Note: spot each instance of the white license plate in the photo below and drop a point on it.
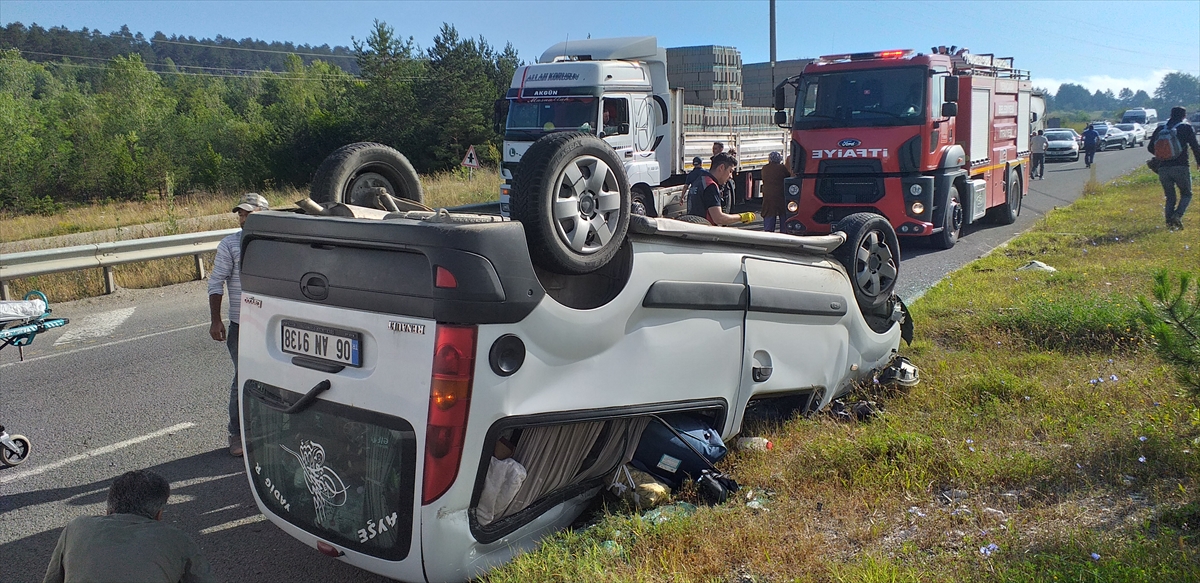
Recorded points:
(321, 342)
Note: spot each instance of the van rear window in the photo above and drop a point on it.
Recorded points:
(341, 473)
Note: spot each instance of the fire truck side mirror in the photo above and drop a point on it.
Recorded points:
(949, 109)
(781, 118)
(951, 89)
(780, 99)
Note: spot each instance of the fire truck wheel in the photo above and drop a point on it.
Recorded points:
(351, 172)
(951, 222)
(1007, 213)
(643, 201)
(573, 199)
(871, 256)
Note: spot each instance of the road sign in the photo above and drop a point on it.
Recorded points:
(471, 160)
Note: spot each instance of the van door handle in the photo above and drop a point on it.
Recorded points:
(308, 399)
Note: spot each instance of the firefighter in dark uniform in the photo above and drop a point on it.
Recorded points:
(704, 195)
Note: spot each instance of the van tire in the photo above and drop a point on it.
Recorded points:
(572, 228)
(349, 174)
(693, 219)
(871, 256)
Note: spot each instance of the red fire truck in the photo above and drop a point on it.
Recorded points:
(930, 141)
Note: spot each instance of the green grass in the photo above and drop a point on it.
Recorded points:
(1044, 425)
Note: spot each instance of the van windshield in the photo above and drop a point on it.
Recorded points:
(530, 120)
(872, 97)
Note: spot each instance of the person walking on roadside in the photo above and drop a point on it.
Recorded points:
(226, 274)
(1037, 149)
(1169, 143)
(130, 542)
(773, 175)
(1091, 141)
(704, 196)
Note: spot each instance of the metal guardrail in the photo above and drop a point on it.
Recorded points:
(106, 255)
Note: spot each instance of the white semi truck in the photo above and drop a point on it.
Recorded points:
(578, 85)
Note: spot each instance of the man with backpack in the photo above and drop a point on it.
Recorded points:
(1169, 143)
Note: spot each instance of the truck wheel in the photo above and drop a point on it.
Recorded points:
(952, 221)
(350, 172)
(871, 256)
(643, 202)
(573, 199)
(1007, 213)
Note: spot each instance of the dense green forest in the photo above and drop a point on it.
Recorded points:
(219, 55)
(82, 131)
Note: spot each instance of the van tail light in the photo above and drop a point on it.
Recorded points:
(449, 401)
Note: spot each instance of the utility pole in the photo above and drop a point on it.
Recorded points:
(772, 47)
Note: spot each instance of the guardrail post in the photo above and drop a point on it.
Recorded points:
(4, 290)
(199, 266)
(110, 284)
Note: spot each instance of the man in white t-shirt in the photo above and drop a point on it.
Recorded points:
(227, 274)
(1037, 149)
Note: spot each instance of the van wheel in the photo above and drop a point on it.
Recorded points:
(871, 256)
(573, 199)
(351, 172)
(1007, 213)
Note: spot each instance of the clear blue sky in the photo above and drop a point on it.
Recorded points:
(1100, 45)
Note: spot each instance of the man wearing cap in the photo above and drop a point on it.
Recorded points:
(226, 273)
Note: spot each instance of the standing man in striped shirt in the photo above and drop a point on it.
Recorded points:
(227, 274)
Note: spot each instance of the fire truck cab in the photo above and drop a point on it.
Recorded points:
(930, 141)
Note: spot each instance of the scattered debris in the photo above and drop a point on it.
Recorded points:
(1036, 265)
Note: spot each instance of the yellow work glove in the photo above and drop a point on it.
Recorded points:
(746, 217)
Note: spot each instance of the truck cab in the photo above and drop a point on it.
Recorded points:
(612, 88)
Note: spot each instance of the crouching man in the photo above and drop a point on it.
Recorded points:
(130, 543)
(704, 195)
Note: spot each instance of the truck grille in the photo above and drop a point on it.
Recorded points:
(850, 181)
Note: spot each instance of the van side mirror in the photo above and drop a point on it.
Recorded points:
(949, 109)
(781, 118)
(780, 99)
(1033, 116)
(951, 88)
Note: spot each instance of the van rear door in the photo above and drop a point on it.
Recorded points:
(339, 328)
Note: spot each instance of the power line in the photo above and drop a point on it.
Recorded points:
(230, 69)
(282, 76)
(132, 39)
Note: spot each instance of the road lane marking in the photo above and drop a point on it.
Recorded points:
(94, 453)
(95, 325)
(106, 344)
(234, 524)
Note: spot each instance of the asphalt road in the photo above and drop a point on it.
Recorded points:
(135, 382)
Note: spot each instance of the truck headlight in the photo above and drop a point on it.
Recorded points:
(917, 207)
(792, 206)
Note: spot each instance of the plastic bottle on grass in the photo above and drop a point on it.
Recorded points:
(753, 444)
